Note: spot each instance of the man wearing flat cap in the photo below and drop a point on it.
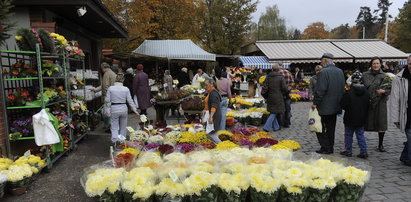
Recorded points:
(328, 93)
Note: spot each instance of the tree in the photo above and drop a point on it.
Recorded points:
(354, 32)
(341, 32)
(271, 26)
(315, 30)
(403, 23)
(367, 20)
(154, 19)
(392, 33)
(383, 6)
(294, 34)
(5, 26)
(225, 23)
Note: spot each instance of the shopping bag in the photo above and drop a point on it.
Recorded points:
(206, 116)
(135, 101)
(106, 111)
(314, 121)
(209, 128)
(44, 131)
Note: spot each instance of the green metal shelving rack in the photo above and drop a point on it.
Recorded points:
(39, 56)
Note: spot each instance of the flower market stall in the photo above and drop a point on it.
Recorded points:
(36, 79)
(179, 163)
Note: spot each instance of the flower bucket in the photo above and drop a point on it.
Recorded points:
(2, 186)
(18, 191)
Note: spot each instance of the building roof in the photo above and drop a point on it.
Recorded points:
(344, 50)
(174, 49)
(98, 19)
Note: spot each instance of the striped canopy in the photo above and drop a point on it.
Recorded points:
(259, 62)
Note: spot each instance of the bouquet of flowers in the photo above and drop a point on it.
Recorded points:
(59, 40)
(73, 49)
(233, 187)
(385, 85)
(351, 183)
(21, 127)
(104, 184)
(20, 69)
(263, 187)
(138, 184)
(78, 105)
(19, 97)
(50, 69)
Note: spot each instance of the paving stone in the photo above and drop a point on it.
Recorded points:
(377, 197)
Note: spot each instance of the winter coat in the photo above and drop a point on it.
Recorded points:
(399, 100)
(128, 82)
(142, 90)
(355, 104)
(183, 79)
(276, 91)
(329, 90)
(214, 100)
(377, 117)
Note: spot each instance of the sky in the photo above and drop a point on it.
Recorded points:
(300, 13)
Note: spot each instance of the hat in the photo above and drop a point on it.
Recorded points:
(130, 70)
(327, 55)
(105, 65)
(356, 77)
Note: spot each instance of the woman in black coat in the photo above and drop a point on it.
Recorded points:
(276, 89)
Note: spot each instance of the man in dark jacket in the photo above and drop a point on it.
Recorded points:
(355, 104)
(328, 93)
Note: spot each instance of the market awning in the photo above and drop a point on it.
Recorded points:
(259, 62)
(301, 51)
(364, 50)
(344, 50)
(174, 49)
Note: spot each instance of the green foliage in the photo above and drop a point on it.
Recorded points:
(341, 32)
(5, 27)
(403, 23)
(28, 40)
(48, 45)
(271, 25)
(225, 24)
(294, 34)
(367, 20)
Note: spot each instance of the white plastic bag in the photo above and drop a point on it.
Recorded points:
(44, 131)
(106, 111)
(209, 128)
(314, 121)
(135, 101)
(206, 116)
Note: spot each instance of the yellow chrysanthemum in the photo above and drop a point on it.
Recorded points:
(18, 38)
(261, 79)
(225, 145)
(291, 144)
(224, 132)
(132, 151)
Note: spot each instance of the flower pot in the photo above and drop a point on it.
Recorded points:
(18, 190)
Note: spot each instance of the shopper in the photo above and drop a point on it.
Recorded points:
(355, 104)
(224, 88)
(128, 80)
(275, 88)
(313, 81)
(285, 119)
(198, 77)
(400, 113)
(167, 81)
(119, 95)
(213, 106)
(141, 89)
(327, 97)
(183, 78)
(109, 79)
(377, 114)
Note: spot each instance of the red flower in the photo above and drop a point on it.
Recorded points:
(25, 93)
(11, 97)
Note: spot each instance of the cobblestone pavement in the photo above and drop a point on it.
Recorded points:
(390, 180)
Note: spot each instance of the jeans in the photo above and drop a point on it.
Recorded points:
(406, 152)
(348, 138)
(326, 138)
(118, 125)
(224, 106)
(271, 123)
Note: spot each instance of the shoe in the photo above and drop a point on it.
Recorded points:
(381, 149)
(407, 163)
(266, 130)
(363, 155)
(286, 126)
(324, 152)
(346, 153)
(107, 131)
(320, 150)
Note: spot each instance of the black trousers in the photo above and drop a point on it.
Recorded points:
(326, 138)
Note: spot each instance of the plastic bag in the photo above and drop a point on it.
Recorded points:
(44, 131)
(314, 121)
(106, 111)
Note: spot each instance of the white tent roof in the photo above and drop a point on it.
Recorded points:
(174, 49)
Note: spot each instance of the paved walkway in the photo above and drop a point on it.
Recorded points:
(390, 180)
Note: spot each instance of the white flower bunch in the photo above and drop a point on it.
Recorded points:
(139, 135)
(155, 139)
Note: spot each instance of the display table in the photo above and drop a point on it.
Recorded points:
(162, 106)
